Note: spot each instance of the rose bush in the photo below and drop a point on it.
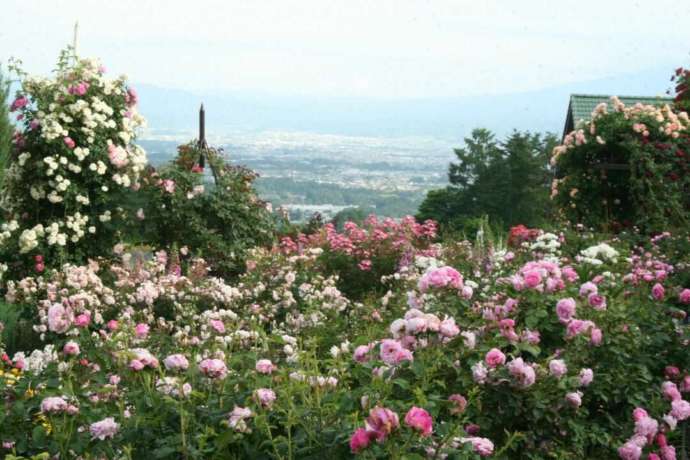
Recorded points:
(73, 165)
(539, 352)
(625, 167)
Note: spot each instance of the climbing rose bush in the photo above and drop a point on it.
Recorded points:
(568, 350)
(626, 166)
(73, 164)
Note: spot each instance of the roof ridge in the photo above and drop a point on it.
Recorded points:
(608, 96)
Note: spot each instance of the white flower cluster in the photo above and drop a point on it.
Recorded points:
(73, 114)
(597, 255)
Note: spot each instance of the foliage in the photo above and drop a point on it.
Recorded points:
(625, 167)
(356, 215)
(506, 181)
(73, 163)
(6, 129)
(217, 217)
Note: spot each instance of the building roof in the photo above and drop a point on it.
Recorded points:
(581, 106)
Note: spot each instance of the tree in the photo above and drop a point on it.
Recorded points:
(6, 128)
(506, 181)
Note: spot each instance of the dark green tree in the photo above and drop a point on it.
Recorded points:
(508, 182)
(6, 128)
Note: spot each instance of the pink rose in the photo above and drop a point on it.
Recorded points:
(596, 301)
(69, 142)
(83, 319)
(565, 309)
(482, 446)
(680, 409)
(532, 278)
(420, 420)
(141, 330)
(381, 422)
(218, 326)
(658, 292)
(71, 349)
(684, 296)
(213, 368)
(360, 440)
(495, 358)
(630, 451)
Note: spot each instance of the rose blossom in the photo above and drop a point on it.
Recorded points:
(176, 362)
(53, 404)
(586, 377)
(658, 292)
(557, 368)
(495, 358)
(106, 428)
(459, 403)
(381, 422)
(141, 330)
(565, 309)
(265, 366)
(213, 368)
(265, 397)
(71, 348)
(574, 399)
(360, 440)
(420, 420)
(483, 446)
(684, 296)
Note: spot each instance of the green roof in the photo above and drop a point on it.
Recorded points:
(582, 105)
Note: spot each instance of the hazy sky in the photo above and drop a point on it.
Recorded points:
(374, 48)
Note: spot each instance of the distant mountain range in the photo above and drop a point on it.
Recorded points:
(174, 110)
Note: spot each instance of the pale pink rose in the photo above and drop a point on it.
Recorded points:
(523, 373)
(53, 404)
(680, 409)
(393, 353)
(557, 368)
(136, 365)
(265, 366)
(106, 428)
(265, 397)
(630, 451)
(176, 362)
(574, 399)
(218, 326)
(420, 420)
(360, 353)
(596, 301)
(69, 142)
(596, 336)
(670, 391)
(213, 368)
(59, 318)
(169, 185)
(482, 446)
(647, 427)
(588, 288)
(448, 328)
(565, 309)
(112, 325)
(495, 358)
(586, 377)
